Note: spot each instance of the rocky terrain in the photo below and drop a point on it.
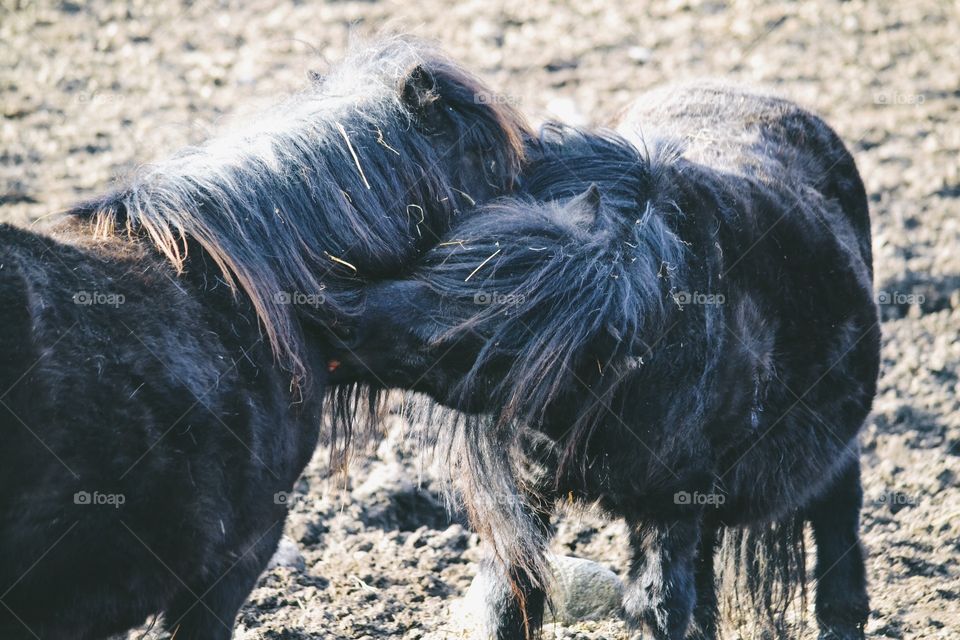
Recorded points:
(92, 89)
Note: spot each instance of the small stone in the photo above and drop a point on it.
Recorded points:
(640, 55)
(309, 533)
(287, 555)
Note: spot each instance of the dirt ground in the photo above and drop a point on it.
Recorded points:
(92, 89)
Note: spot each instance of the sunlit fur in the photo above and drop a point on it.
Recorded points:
(344, 182)
(691, 314)
(148, 349)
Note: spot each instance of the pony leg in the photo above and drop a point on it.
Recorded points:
(842, 604)
(660, 592)
(208, 612)
(514, 605)
(513, 600)
(705, 612)
(19, 631)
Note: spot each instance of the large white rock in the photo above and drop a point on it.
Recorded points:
(580, 590)
(583, 590)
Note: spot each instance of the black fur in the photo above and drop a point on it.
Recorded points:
(147, 418)
(694, 333)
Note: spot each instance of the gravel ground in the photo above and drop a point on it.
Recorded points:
(90, 90)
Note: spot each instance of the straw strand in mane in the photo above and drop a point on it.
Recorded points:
(347, 181)
(574, 288)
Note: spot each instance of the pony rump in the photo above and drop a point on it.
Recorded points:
(347, 181)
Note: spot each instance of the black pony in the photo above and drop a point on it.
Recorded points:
(690, 342)
(159, 388)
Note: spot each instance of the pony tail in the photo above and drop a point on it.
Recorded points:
(491, 477)
(763, 570)
(500, 506)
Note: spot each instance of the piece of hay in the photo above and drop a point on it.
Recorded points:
(356, 160)
(480, 266)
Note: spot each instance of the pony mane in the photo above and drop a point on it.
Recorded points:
(572, 275)
(346, 181)
(574, 282)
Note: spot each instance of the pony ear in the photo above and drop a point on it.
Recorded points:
(481, 134)
(419, 92)
(587, 204)
(583, 209)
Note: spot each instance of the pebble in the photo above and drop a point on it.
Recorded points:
(640, 55)
(584, 590)
(287, 555)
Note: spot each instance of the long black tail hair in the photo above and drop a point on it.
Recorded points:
(763, 573)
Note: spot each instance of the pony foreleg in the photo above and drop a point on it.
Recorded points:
(842, 604)
(514, 599)
(660, 592)
(705, 612)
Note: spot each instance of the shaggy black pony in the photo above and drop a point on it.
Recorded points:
(691, 342)
(159, 389)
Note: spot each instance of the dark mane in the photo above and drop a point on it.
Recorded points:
(537, 297)
(347, 181)
(579, 270)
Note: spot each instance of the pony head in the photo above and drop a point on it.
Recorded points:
(530, 298)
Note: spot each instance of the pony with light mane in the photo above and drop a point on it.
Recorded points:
(162, 381)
